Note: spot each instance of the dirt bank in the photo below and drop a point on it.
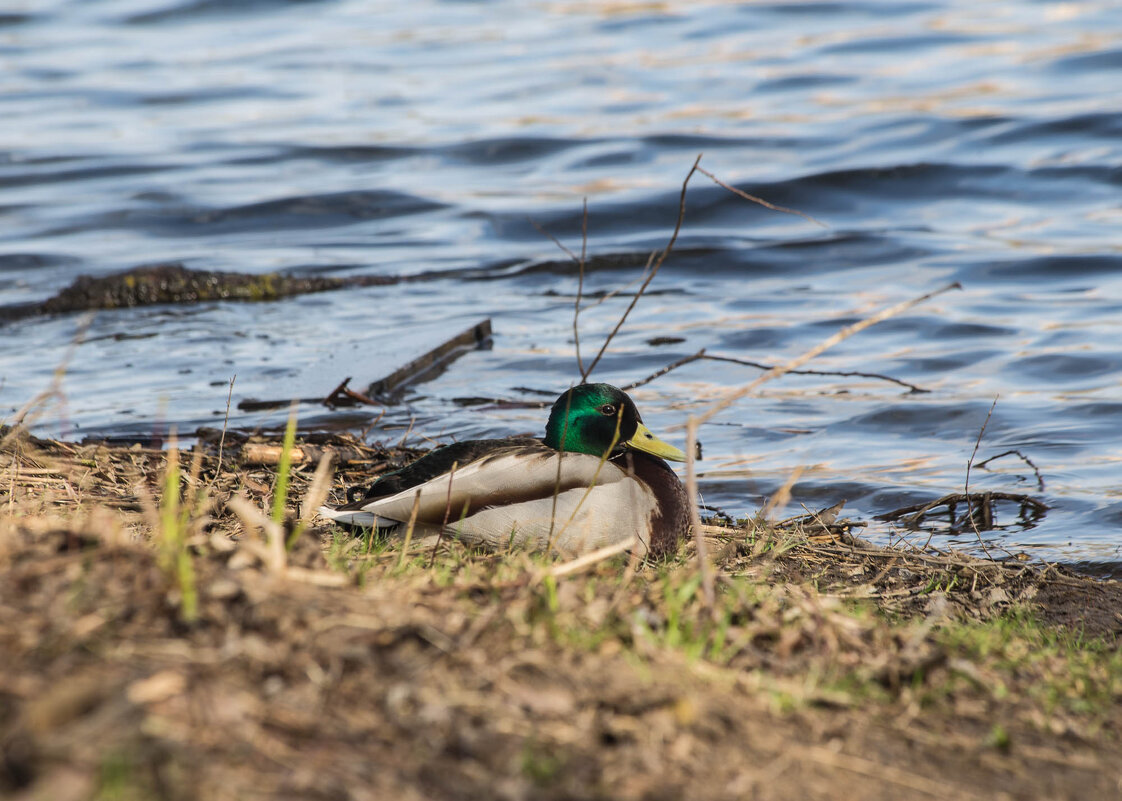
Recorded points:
(828, 669)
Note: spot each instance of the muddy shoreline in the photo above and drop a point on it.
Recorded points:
(830, 668)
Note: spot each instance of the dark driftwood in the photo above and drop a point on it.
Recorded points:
(257, 405)
(343, 395)
(431, 364)
(390, 389)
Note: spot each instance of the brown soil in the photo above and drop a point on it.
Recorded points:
(837, 672)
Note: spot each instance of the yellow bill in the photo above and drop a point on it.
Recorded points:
(647, 442)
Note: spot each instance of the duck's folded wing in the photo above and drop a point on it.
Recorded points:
(440, 461)
(576, 521)
(504, 478)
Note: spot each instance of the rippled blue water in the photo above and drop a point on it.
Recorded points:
(955, 141)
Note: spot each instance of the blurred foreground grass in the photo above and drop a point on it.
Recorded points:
(172, 632)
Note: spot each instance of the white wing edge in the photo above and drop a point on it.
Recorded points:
(357, 518)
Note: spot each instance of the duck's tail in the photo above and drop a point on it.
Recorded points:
(356, 517)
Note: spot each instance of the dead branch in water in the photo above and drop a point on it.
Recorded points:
(389, 389)
(343, 395)
(701, 355)
(1025, 459)
(979, 504)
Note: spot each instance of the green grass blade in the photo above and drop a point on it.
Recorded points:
(284, 468)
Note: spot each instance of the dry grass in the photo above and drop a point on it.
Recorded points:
(343, 667)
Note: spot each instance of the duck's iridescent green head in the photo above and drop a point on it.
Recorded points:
(600, 419)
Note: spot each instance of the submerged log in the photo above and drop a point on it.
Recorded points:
(173, 283)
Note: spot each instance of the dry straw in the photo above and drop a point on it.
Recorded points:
(695, 421)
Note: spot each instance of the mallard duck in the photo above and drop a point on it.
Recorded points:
(597, 478)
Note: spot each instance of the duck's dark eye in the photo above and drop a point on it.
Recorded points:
(608, 410)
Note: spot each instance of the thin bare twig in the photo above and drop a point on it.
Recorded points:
(591, 558)
(273, 554)
(595, 477)
(1025, 459)
(704, 569)
(542, 230)
(318, 488)
(560, 456)
(779, 499)
(842, 373)
(604, 298)
(580, 283)
(54, 390)
(580, 262)
(651, 273)
(701, 355)
(880, 772)
(840, 336)
(408, 431)
(336, 396)
(660, 373)
(966, 484)
(410, 526)
(447, 513)
(782, 496)
(759, 200)
(225, 423)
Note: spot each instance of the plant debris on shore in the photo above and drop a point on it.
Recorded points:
(314, 664)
